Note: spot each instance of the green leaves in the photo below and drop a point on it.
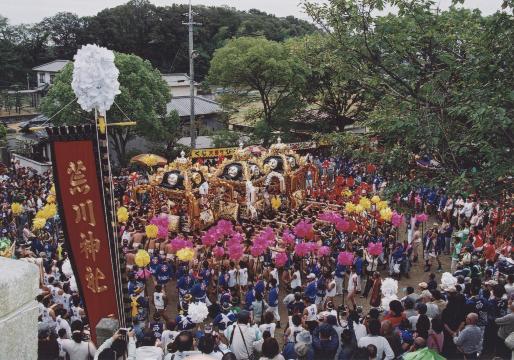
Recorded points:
(445, 80)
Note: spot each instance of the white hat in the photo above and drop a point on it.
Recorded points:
(311, 276)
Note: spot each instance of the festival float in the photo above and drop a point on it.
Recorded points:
(236, 187)
(182, 187)
(287, 176)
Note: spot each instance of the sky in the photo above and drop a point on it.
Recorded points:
(31, 11)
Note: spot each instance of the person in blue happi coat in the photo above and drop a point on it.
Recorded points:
(225, 318)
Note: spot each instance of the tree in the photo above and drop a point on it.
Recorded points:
(442, 77)
(333, 87)
(226, 138)
(65, 31)
(255, 68)
(143, 98)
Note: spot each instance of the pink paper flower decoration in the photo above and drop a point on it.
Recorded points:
(225, 227)
(342, 225)
(397, 219)
(324, 251)
(302, 249)
(178, 243)
(303, 229)
(209, 238)
(235, 252)
(287, 237)
(280, 259)
(345, 258)
(331, 217)
(218, 251)
(161, 222)
(375, 249)
(422, 217)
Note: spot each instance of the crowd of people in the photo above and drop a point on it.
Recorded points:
(310, 306)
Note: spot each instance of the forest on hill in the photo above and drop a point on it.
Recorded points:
(155, 33)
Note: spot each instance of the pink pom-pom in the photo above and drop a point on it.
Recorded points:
(161, 222)
(375, 249)
(303, 229)
(324, 251)
(342, 225)
(422, 217)
(218, 251)
(301, 249)
(287, 237)
(235, 252)
(331, 217)
(397, 219)
(280, 259)
(179, 243)
(345, 258)
(208, 239)
(225, 227)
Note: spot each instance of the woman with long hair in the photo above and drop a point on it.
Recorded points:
(79, 347)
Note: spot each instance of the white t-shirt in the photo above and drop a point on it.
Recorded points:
(237, 346)
(232, 281)
(78, 351)
(243, 277)
(274, 274)
(296, 282)
(383, 348)
(268, 327)
(158, 300)
(62, 324)
(331, 291)
(352, 282)
(167, 337)
(312, 312)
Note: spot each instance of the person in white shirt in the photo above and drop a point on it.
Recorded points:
(296, 280)
(384, 350)
(77, 348)
(268, 323)
(241, 336)
(242, 278)
(232, 275)
(61, 323)
(149, 350)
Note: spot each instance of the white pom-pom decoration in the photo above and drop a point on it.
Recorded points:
(198, 312)
(389, 289)
(448, 280)
(95, 78)
(73, 284)
(66, 268)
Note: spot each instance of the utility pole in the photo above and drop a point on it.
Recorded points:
(190, 23)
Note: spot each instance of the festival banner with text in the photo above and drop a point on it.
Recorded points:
(79, 193)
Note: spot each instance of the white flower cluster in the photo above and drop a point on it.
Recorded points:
(198, 312)
(389, 291)
(95, 78)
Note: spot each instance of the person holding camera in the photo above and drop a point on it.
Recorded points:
(113, 348)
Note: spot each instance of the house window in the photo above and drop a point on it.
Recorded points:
(41, 78)
(52, 76)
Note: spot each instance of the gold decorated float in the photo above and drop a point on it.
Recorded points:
(242, 187)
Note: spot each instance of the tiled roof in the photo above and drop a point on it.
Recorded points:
(54, 66)
(203, 106)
